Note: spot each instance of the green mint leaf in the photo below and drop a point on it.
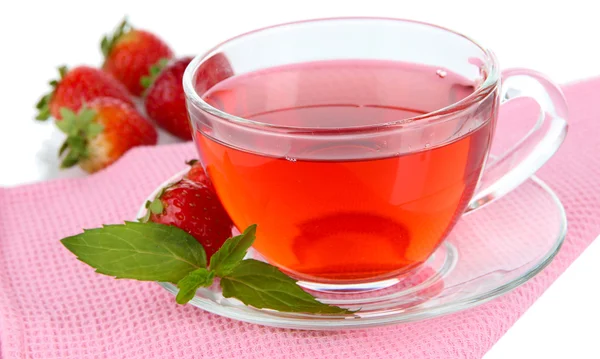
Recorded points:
(189, 284)
(232, 252)
(262, 285)
(142, 251)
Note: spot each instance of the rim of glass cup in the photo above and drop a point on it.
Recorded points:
(485, 88)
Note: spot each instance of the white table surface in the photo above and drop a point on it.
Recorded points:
(557, 38)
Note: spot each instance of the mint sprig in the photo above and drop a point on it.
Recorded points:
(188, 286)
(232, 252)
(157, 252)
(141, 251)
(262, 285)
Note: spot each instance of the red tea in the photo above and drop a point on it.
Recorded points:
(321, 215)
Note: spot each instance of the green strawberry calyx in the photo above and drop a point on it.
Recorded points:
(154, 207)
(43, 105)
(110, 40)
(155, 70)
(80, 128)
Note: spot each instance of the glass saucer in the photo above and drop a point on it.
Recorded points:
(490, 252)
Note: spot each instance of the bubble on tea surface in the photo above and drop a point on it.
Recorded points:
(441, 73)
(291, 159)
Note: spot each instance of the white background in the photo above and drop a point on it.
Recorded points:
(559, 38)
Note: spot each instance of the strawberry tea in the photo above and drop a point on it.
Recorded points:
(351, 183)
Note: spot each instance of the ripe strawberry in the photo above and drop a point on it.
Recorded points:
(129, 53)
(164, 98)
(76, 86)
(212, 71)
(196, 209)
(196, 174)
(101, 132)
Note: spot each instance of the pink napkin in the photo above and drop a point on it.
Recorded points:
(53, 306)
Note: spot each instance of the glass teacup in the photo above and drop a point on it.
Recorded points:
(356, 144)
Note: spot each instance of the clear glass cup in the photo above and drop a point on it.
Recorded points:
(358, 204)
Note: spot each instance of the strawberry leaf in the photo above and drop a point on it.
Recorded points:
(232, 252)
(146, 216)
(70, 160)
(189, 284)
(142, 251)
(43, 105)
(93, 130)
(156, 206)
(63, 148)
(262, 285)
(44, 110)
(76, 144)
(67, 124)
(79, 128)
(85, 116)
(155, 70)
(66, 112)
(109, 41)
(62, 71)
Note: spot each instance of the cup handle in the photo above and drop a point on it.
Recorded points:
(515, 166)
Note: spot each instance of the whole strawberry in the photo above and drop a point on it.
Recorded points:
(101, 132)
(129, 53)
(76, 86)
(196, 209)
(196, 174)
(164, 98)
(212, 71)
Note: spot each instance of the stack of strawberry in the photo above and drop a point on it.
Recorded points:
(95, 107)
(183, 238)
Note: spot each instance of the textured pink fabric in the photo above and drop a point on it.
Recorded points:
(52, 306)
